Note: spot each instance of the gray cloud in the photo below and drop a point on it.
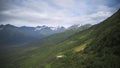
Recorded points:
(55, 12)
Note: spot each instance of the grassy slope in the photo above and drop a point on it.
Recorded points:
(96, 47)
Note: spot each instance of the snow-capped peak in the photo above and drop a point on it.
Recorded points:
(40, 27)
(53, 28)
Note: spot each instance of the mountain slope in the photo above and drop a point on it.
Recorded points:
(98, 49)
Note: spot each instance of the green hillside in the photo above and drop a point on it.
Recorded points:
(96, 47)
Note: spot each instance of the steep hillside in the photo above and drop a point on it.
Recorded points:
(97, 47)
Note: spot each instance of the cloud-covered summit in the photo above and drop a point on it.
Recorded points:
(56, 12)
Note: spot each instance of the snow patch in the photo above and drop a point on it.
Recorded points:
(53, 28)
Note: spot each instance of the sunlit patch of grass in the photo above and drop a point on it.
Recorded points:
(80, 48)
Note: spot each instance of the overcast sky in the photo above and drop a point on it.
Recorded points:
(56, 12)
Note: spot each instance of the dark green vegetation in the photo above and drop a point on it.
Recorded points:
(96, 47)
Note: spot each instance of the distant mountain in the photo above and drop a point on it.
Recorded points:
(10, 34)
(45, 30)
(80, 27)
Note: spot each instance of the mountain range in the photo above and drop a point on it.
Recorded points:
(10, 34)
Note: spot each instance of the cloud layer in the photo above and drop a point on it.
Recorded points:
(56, 12)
